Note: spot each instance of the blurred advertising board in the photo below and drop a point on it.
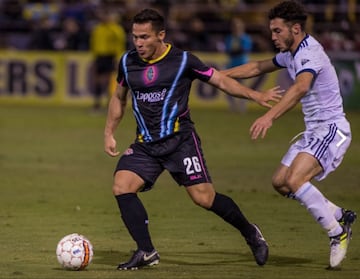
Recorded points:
(44, 77)
(66, 78)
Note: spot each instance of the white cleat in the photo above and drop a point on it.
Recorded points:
(338, 247)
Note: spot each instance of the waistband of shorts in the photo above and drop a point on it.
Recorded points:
(316, 123)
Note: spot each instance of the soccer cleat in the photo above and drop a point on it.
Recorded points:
(140, 259)
(258, 245)
(348, 218)
(338, 247)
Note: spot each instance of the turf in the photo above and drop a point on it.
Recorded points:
(56, 179)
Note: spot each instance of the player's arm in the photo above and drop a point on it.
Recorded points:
(236, 89)
(251, 69)
(116, 110)
(291, 97)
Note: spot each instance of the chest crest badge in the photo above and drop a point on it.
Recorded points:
(150, 74)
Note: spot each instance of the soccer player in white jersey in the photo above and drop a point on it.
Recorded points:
(323, 144)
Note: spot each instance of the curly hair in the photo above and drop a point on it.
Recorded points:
(289, 11)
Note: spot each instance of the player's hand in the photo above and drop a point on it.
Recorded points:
(272, 95)
(110, 146)
(260, 127)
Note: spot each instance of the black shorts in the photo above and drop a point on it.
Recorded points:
(180, 154)
(104, 64)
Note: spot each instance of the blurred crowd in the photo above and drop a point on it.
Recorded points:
(197, 25)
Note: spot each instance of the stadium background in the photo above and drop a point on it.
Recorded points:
(61, 76)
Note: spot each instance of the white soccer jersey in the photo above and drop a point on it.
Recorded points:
(323, 102)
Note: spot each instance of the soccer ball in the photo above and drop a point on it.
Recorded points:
(74, 252)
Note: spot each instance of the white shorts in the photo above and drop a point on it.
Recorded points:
(327, 142)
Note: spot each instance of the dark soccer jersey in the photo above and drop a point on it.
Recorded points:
(160, 91)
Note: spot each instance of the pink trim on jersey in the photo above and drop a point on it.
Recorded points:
(181, 115)
(121, 83)
(206, 73)
(200, 156)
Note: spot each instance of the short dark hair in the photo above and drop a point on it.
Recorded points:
(152, 16)
(289, 11)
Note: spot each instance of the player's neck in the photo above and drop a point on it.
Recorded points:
(160, 53)
(298, 39)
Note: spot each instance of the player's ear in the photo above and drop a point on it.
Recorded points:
(296, 29)
(161, 35)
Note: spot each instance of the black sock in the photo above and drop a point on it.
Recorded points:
(135, 219)
(227, 209)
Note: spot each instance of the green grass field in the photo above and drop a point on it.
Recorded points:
(56, 179)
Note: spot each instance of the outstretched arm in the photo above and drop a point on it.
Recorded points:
(291, 98)
(236, 89)
(116, 110)
(251, 69)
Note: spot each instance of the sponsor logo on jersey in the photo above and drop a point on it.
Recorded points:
(150, 97)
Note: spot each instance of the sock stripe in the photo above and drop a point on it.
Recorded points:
(302, 190)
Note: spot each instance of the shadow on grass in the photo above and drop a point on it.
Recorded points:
(202, 258)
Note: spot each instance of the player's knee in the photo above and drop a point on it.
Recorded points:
(121, 188)
(204, 200)
(202, 194)
(292, 183)
(203, 203)
(284, 191)
(288, 186)
(117, 189)
(126, 182)
(279, 185)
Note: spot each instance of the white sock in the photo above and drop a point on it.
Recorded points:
(316, 204)
(335, 210)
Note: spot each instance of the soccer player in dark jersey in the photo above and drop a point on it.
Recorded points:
(159, 77)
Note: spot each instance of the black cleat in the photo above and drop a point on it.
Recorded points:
(140, 259)
(348, 218)
(258, 245)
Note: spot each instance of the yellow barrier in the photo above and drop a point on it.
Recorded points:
(65, 78)
(44, 77)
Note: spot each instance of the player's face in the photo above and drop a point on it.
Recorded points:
(281, 35)
(149, 43)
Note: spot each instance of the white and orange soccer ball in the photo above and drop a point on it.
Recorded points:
(74, 252)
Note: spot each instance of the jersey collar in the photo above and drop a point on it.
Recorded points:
(303, 43)
(152, 61)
